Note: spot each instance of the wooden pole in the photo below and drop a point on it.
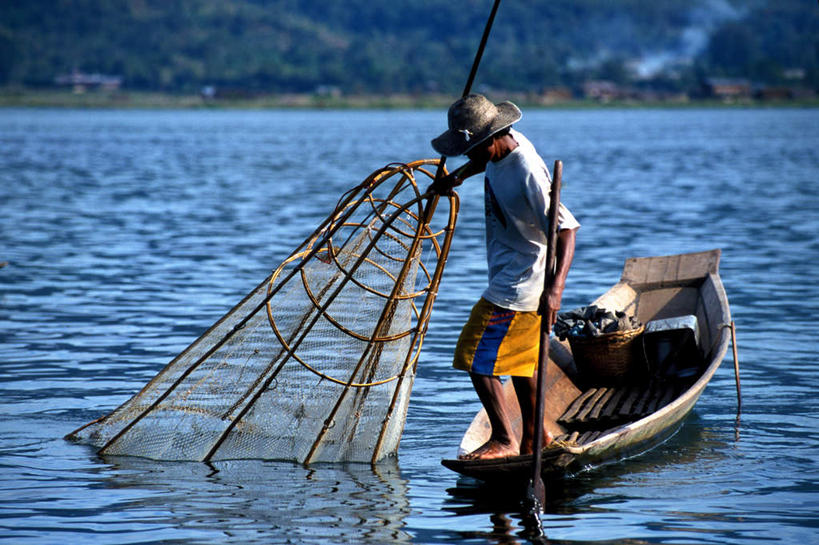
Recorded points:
(736, 365)
(536, 491)
(481, 47)
(467, 88)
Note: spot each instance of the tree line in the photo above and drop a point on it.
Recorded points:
(406, 46)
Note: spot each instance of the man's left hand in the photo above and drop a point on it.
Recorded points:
(550, 305)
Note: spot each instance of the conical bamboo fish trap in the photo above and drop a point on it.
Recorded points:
(318, 361)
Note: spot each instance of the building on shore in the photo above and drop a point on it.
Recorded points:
(81, 82)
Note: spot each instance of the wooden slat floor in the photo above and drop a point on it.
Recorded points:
(603, 407)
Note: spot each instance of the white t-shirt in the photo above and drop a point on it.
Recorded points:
(516, 193)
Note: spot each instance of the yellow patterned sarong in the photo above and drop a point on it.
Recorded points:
(497, 341)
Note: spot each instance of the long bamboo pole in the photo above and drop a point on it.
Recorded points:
(536, 491)
(429, 211)
(469, 81)
(432, 203)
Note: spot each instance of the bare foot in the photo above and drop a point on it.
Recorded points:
(528, 446)
(492, 450)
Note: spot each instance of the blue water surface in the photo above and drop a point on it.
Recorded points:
(126, 234)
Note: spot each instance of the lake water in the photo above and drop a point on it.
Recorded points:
(128, 233)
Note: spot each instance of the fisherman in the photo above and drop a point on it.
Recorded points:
(502, 334)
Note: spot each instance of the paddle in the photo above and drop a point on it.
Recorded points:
(536, 491)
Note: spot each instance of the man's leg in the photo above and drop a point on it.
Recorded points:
(502, 441)
(526, 391)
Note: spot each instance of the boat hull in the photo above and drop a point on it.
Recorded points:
(650, 288)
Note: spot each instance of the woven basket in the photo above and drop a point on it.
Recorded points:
(608, 358)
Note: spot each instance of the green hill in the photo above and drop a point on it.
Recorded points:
(376, 46)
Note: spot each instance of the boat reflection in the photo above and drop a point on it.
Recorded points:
(570, 495)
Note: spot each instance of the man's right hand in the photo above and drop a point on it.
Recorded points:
(445, 184)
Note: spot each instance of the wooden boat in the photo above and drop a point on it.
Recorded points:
(595, 422)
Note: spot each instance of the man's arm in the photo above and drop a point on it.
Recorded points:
(457, 177)
(468, 169)
(550, 302)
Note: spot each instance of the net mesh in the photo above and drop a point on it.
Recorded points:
(318, 361)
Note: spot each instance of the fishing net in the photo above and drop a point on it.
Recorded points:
(318, 361)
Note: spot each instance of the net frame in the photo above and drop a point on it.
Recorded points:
(410, 220)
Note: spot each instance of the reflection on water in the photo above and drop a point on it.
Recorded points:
(246, 501)
(328, 504)
(568, 497)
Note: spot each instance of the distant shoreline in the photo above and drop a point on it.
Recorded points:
(15, 98)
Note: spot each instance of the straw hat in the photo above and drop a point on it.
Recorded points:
(472, 120)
